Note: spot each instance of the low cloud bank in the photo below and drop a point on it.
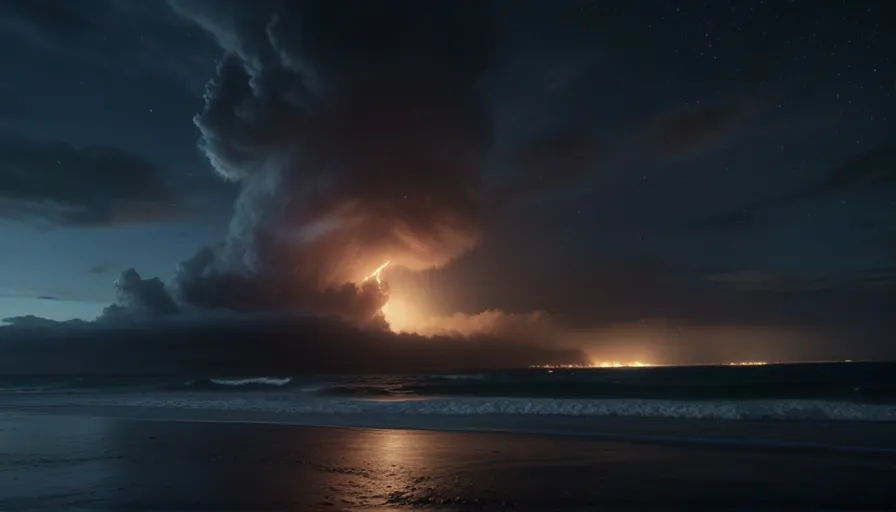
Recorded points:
(251, 344)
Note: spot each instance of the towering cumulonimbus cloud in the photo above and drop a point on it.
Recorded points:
(357, 132)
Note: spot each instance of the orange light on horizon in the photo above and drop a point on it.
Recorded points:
(617, 364)
(599, 364)
(637, 364)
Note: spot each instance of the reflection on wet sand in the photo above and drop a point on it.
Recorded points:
(399, 451)
(380, 466)
(207, 463)
(170, 465)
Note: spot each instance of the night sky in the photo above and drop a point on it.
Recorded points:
(669, 181)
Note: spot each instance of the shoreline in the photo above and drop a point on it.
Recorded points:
(832, 436)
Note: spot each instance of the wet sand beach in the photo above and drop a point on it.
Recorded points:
(63, 462)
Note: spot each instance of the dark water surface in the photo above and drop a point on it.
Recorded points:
(860, 382)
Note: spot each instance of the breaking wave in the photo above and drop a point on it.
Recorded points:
(252, 381)
(754, 410)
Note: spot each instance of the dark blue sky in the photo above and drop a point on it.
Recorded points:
(711, 164)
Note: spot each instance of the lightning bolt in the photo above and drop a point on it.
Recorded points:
(376, 273)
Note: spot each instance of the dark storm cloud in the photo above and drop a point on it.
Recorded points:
(847, 212)
(200, 287)
(357, 136)
(873, 277)
(59, 184)
(867, 175)
(100, 270)
(124, 36)
(24, 294)
(138, 298)
(758, 280)
(250, 345)
(563, 158)
(554, 161)
(881, 277)
(146, 331)
(692, 128)
(357, 133)
(869, 171)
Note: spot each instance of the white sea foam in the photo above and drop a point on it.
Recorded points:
(728, 410)
(462, 376)
(269, 381)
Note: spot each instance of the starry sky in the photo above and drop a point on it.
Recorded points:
(698, 166)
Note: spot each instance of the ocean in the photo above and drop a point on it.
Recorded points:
(798, 436)
(861, 391)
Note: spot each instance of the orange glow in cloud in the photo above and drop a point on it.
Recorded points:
(644, 343)
(405, 312)
(403, 315)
